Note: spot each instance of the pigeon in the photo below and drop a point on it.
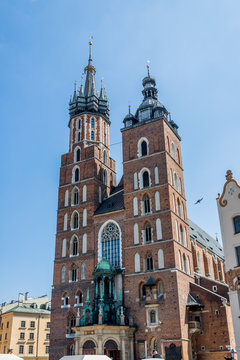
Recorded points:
(198, 201)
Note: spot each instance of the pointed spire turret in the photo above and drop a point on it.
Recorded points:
(86, 98)
(74, 93)
(90, 71)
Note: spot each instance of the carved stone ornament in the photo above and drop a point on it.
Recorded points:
(229, 178)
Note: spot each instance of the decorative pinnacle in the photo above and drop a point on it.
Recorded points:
(90, 45)
(129, 109)
(75, 83)
(82, 79)
(148, 67)
(229, 175)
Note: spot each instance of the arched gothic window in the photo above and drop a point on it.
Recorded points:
(149, 263)
(146, 202)
(74, 273)
(110, 239)
(148, 233)
(76, 175)
(75, 220)
(77, 154)
(145, 177)
(75, 247)
(144, 148)
(75, 196)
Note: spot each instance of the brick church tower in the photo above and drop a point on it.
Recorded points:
(128, 277)
(156, 228)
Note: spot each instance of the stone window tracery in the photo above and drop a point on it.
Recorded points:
(110, 239)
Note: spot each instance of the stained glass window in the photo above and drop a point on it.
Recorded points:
(111, 244)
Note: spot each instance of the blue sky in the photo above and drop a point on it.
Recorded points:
(194, 51)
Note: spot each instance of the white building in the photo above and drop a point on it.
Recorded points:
(229, 214)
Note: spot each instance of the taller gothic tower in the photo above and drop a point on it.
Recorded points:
(87, 175)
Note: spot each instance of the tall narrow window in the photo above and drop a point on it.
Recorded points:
(84, 244)
(135, 181)
(76, 175)
(64, 247)
(75, 220)
(146, 203)
(92, 135)
(171, 177)
(83, 271)
(179, 208)
(174, 203)
(148, 233)
(156, 175)
(144, 149)
(180, 260)
(135, 206)
(152, 316)
(236, 221)
(184, 264)
(104, 133)
(66, 198)
(173, 151)
(157, 201)
(65, 222)
(75, 247)
(177, 236)
(136, 234)
(78, 155)
(137, 262)
(176, 181)
(159, 229)
(75, 196)
(181, 235)
(74, 273)
(110, 239)
(92, 123)
(105, 177)
(145, 176)
(84, 194)
(149, 263)
(85, 217)
(160, 259)
(105, 157)
(63, 274)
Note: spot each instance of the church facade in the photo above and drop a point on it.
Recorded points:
(130, 275)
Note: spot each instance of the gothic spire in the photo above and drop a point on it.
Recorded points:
(90, 87)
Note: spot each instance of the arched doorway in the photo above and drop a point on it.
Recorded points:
(111, 350)
(89, 348)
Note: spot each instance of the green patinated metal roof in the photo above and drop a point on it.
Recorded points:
(26, 309)
(104, 266)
